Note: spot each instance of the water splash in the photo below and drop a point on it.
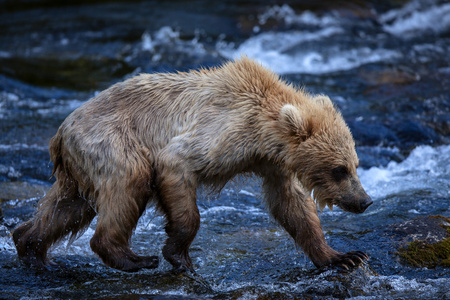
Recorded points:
(416, 18)
(425, 168)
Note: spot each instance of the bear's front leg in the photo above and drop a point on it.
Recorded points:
(177, 196)
(297, 213)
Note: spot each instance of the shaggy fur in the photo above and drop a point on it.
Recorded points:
(156, 137)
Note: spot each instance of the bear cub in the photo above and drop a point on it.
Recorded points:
(157, 137)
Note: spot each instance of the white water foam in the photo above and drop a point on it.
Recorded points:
(166, 40)
(425, 168)
(59, 107)
(6, 242)
(286, 14)
(284, 52)
(270, 49)
(9, 103)
(22, 146)
(416, 18)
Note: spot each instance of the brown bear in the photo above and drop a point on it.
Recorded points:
(157, 137)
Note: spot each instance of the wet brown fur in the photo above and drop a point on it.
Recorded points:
(156, 137)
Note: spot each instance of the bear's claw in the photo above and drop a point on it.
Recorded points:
(144, 262)
(350, 260)
(149, 262)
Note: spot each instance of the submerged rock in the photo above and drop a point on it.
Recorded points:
(424, 242)
(21, 190)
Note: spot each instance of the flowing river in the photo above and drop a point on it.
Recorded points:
(385, 65)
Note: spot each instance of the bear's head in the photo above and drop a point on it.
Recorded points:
(321, 151)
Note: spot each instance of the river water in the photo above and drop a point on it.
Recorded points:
(385, 64)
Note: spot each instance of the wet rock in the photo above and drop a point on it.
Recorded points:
(19, 190)
(86, 72)
(371, 133)
(414, 133)
(377, 156)
(424, 242)
(403, 133)
(18, 200)
(431, 229)
(402, 75)
(18, 164)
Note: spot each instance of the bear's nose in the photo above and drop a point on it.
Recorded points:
(365, 203)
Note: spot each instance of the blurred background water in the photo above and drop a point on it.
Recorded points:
(384, 63)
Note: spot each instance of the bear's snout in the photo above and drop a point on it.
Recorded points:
(355, 205)
(357, 201)
(364, 204)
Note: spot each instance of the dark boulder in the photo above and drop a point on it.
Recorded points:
(424, 241)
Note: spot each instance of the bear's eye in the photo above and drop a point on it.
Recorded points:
(339, 173)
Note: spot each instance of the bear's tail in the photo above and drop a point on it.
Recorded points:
(55, 148)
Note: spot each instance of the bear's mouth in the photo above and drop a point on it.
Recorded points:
(350, 208)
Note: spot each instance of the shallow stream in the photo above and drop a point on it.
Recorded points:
(385, 64)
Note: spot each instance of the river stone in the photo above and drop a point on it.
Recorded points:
(430, 229)
(20, 190)
(423, 242)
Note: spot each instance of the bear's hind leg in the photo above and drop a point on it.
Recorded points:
(59, 213)
(117, 217)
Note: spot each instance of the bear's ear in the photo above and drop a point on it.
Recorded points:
(323, 101)
(294, 123)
